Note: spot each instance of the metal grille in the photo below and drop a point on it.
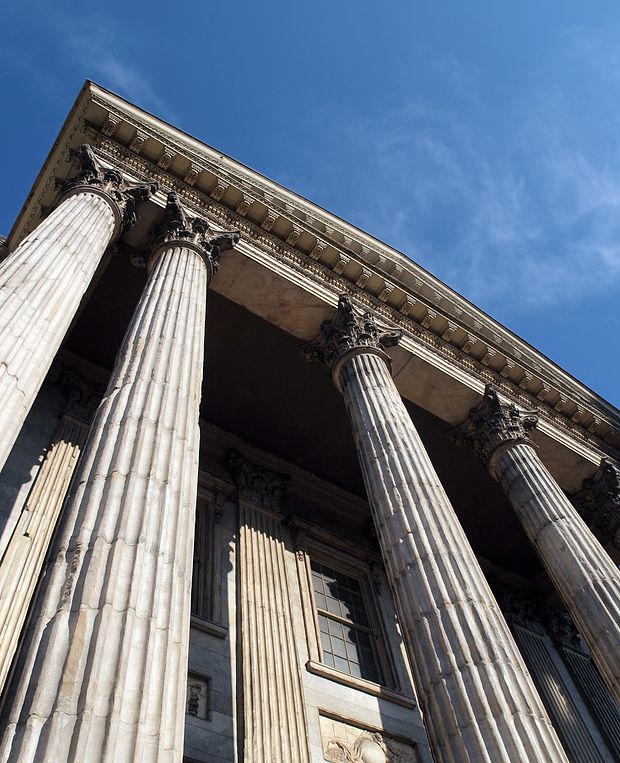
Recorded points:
(572, 730)
(597, 695)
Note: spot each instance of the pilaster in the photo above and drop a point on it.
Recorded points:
(274, 723)
(23, 560)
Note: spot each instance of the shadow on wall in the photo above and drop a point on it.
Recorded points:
(19, 473)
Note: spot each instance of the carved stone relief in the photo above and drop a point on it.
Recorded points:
(198, 696)
(346, 743)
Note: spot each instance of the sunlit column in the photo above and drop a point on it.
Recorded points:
(478, 700)
(581, 570)
(103, 676)
(44, 279)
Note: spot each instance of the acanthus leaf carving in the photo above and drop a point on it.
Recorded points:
(256, 483)
(93, 174)
(493, 423)
(348, 330)
(180, 227)
(599, 502)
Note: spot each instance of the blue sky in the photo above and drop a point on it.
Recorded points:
(482, 139)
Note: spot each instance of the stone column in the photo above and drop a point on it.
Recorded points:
(44, 279)
(581, 570)
(477, 697)
(274, 722)
(22, 562)
(102, 676)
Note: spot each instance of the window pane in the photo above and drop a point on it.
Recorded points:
(345, 647)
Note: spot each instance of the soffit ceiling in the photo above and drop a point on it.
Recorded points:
(258, 387)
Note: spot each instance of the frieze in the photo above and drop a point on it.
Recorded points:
(297, 260)
(409, 276)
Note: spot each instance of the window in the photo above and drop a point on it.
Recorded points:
(347, 639)
(348, 612)
(208, 577)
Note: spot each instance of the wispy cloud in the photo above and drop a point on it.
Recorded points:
(105, 54)
(526, 211)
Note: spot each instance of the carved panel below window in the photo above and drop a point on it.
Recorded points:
(347, 743)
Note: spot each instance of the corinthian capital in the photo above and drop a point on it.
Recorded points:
(347, 331)
(257, 484)
(180, 227)
(599, 502)
(93, 176)
(493, 423)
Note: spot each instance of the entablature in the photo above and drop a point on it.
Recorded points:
(322, 254)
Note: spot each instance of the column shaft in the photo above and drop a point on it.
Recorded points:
(581, 570)
(478, 700)
(22, 563)
(41, 285)
(103, 674)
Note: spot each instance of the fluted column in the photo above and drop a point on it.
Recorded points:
(44, 279)
(581, 570)
(103, 674)
(23, 560)
(478, 700)
(274, 722)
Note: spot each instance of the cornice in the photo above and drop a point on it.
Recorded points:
(333, 257)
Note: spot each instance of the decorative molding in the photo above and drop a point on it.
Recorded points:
(494, 423)
(363, 278)
(294, 235)
(256, 484)
(270, 218)
(340, 264)
(138, 142)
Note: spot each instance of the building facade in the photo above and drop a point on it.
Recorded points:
(270, 491)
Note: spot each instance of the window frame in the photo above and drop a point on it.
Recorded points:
(364, 565)
(370, 630)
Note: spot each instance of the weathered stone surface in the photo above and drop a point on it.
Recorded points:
(478, 700)
(23, 560)
(102, 677)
